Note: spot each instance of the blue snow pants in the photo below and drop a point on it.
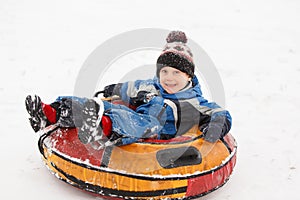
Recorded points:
(130, 125)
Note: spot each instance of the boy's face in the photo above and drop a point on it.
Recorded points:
(173, 80)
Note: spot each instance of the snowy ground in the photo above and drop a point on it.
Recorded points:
(255, 46)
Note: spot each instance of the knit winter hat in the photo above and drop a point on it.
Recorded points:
(176, 54)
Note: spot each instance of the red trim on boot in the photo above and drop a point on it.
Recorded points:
(49, 112)
(106, 125)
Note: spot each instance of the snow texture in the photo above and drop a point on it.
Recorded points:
(254, 44)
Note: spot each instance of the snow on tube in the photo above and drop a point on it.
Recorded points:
(184, 167)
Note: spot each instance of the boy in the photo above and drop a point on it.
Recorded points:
(166, 106)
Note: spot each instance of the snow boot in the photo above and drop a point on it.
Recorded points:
(70, 113)
(34, 107)
(93, 121)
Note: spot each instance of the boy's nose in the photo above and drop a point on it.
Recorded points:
(169, 76)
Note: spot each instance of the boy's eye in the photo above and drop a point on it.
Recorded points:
(176, 72)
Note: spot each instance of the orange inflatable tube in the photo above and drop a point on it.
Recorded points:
(181, 168)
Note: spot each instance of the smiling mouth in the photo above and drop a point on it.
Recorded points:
(170, 85)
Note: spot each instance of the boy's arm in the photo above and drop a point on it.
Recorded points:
(219, 123)
(128, 89)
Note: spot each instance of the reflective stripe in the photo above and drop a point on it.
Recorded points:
(203, 109)
(101, 110)
(174, 109)
(131, 90)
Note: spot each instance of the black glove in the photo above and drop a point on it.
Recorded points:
(108, 90)
(212, 132)
(142, 97)
(113, 89)
(215, 129)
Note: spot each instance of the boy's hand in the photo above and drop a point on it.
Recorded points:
(212, 132)
(215, 129)
(108, 90)
(142, 97)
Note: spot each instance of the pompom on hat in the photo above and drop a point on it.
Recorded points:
(176, 54)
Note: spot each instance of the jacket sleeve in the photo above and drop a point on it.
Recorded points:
(217, 116)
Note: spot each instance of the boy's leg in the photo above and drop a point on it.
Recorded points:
(69, 111)
(66, 112)
(126, 126)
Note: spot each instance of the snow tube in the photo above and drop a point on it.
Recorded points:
(184, 167)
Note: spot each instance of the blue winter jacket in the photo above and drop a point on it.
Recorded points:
(167, 115)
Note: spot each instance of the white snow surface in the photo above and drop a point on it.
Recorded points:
(254, 44)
